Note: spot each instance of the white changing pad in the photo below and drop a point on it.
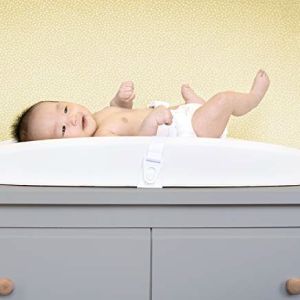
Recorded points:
(148, 162)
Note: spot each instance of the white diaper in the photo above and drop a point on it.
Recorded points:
(182, 120)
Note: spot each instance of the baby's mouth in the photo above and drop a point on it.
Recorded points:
(83, 122)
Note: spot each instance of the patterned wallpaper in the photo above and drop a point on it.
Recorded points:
(82, 50)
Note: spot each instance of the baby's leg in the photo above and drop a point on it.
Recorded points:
(211, 119)
(189, 95)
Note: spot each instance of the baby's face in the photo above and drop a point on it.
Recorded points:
(55, 120)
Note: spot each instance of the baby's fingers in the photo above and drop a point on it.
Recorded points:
(126, 94)
(127, 88)
(129, 98)
(127, 84)
(163, 115)
(168, 118)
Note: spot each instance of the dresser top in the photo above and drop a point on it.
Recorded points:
(37, 195)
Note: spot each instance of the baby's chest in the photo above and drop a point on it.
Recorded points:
(118, 124)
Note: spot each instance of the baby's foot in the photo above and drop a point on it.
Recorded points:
(260, 85)
(189, 95)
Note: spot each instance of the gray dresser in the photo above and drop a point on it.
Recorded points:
(149, 244)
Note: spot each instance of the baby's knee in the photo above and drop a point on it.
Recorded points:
(224, 98)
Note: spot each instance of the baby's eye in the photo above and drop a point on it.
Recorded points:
(63, 130)
(66, 109)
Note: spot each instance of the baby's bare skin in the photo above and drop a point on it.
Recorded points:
(60, 119)
(119, 121)
(209, 120)
(123, 122)
(67, 119)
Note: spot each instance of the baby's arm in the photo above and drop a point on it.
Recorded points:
(159, 116)
(124, 96)
(104, 132)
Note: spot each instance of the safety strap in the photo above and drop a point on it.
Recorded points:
(151, 166)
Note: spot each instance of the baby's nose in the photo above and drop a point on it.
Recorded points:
(74, 119)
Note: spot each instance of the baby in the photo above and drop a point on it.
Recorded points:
(57, 119)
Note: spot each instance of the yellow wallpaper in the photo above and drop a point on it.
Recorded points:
(81, 50)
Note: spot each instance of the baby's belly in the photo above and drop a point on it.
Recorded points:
(125, 123)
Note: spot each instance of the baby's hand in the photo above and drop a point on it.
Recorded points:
(158, 116)
(162, 115)
(125, 95)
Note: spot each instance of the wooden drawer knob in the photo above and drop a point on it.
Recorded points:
(293, 286)
(6, 286)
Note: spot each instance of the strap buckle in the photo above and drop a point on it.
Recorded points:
(151, 166)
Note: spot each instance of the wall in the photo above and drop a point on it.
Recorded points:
(81, 50)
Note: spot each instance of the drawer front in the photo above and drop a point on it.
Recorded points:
(76, 263)
(232, 263)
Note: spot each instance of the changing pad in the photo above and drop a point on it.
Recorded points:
(148, 162)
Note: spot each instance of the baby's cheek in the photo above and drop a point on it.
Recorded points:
(73, 132)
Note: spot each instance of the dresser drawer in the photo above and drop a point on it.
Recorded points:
(225, 263)
(76, 264)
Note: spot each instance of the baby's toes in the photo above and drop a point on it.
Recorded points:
(262, 73)
(264, 77)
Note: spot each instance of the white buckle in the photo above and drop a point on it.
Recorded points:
(152, 165)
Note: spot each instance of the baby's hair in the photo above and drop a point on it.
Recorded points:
(20, 127)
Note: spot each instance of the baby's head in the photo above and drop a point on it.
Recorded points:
(53, 120)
